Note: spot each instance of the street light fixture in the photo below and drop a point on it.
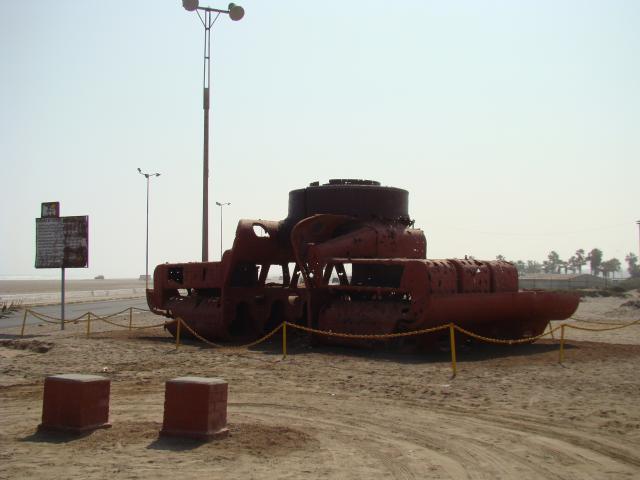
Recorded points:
(221, 205)
(146, 263)
(210, 16)
(638, 222)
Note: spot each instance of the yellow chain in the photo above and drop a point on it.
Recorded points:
(56, 321)
(502, 340)
(111, 315)
(44, 317)
(226, 347)
(133, 327)
(367, 336)
(617, 327)
(597, 322)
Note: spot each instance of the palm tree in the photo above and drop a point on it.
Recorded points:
(610, 266)
(595, 260)
(563, 266)
(580, 259)
(632, 262)
(533, 266)
(553, 262)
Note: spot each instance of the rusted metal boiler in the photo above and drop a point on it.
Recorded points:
(347, 259)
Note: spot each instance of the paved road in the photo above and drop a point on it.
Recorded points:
(73, 310)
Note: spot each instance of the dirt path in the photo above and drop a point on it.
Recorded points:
(512, 412)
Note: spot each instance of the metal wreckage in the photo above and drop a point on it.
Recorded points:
(348, 260)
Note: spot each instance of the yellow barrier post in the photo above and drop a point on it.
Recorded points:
(452, 338)
(284, 340)
(88, 324)
(130, 317)
(561, 343)
(24, 321)
(179, 320)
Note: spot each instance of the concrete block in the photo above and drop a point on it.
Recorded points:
(75, 403)
(195, 407)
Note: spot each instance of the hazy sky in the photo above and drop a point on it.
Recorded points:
(515, 125)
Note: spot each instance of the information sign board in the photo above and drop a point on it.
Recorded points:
(62, 242)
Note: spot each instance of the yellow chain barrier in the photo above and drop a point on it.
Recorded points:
(561, 344)
(504, 341)
(551, 331)
(90, 316)
(49, 319)
(140, 309)
(452, 340)
(617, 326)
(36, 315)
(134, 327)
(228, 347)
(584, 320)
(180, 323)
(284, 340)
(24, 322)
(357, 336)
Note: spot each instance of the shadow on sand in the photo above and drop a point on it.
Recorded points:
(15, 336)
(52, 436)
(176, 444)
(301, 344)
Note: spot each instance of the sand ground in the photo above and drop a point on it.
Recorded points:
(512, 412)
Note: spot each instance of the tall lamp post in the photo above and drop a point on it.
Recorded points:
(223, 204)
(638, 222)
(235, 13)
(146, 263)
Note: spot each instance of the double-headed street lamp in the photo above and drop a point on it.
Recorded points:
(208, 18)
(221, 204)
(146, 263)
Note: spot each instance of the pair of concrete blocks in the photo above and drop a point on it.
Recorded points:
(194, 407)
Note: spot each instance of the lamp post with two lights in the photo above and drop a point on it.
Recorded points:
(208, 17)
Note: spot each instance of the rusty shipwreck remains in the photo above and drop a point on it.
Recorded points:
(347, 259)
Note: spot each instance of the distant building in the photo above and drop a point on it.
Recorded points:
(558, 281)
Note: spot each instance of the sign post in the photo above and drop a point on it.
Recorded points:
(62, 301)
(61, 242)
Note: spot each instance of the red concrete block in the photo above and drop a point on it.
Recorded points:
(195, 407)
(75, 403)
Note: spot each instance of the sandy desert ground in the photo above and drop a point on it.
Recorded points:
(512, 412)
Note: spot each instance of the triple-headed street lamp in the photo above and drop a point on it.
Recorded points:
(146, 263)
(208, 18)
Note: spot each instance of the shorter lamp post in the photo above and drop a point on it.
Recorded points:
(221, 204)
(638, 222)
(146, 263)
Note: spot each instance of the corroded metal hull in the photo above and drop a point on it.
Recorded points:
(348, 260)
